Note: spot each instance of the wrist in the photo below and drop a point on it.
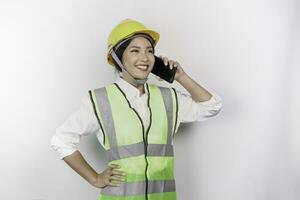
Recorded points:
(98, 181)
(93, 179)
(181, 78)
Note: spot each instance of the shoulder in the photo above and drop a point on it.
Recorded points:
(167, 92)
(100, 88)
(161, 87)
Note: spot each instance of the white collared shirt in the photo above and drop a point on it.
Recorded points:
(83, 121)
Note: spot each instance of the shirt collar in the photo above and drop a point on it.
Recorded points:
(130, 91)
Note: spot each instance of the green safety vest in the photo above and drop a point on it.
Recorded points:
(145, 155)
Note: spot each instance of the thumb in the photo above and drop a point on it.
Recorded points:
(160, 79)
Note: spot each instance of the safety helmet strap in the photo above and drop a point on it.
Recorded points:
(136, 81)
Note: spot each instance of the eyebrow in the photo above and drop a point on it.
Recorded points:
(140, 47)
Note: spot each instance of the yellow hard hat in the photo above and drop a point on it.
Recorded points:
(124, 30)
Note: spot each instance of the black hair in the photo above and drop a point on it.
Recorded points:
(119, 53)
(120, 50)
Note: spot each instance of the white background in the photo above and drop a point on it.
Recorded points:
(248, 51)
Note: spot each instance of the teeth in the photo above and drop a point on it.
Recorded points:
(143, 67)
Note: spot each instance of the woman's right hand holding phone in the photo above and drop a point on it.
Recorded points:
(179, 71)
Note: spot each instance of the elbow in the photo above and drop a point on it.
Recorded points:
(216, 110)
(62, 148)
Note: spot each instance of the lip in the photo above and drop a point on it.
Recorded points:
(142, 67)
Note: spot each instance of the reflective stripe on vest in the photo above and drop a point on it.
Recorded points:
(145, 155)
(134, 188)
(137, 149)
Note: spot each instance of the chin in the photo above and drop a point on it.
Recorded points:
(142, 75)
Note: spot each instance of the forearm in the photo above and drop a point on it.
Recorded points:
(79, 164)
(197, 92)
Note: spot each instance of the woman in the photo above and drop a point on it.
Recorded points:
(134, 121)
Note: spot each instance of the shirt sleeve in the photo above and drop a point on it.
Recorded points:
(79, 123)
(191, 111)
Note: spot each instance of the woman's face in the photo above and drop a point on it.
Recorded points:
(138, 58)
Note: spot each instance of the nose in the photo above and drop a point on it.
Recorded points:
(144, 56)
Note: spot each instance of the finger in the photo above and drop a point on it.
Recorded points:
(160, 79)
(176, 64)
(114, 166)
(115, 180)
(118, 178)
(114, 184)
(166, 61)
(118, 172)
(171, 63)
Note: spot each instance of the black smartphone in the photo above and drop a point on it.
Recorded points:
(163, 71)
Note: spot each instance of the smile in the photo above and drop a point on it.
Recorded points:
(142, 67)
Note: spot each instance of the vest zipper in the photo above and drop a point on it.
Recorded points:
(145, 139)
(145, 136)
(146, 152)
(146, 147)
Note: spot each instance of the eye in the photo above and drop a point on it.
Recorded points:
(151, 51)
(135, 50)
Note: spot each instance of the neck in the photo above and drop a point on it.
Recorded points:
(140, 87)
